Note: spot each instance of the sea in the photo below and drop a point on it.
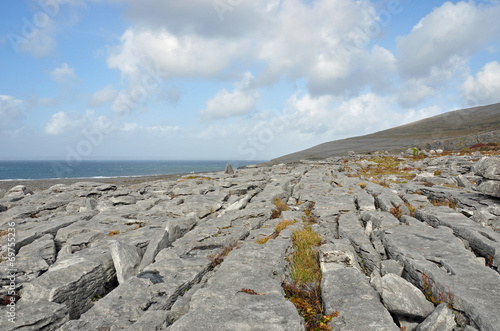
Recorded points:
(24, 170)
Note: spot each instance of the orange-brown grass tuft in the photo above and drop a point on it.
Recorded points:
(397, 212)
(447, 202)
(217, 258)
(277, 229)
(280, 207)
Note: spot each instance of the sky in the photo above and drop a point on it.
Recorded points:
(233, 79)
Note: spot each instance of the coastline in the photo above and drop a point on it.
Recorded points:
(43, 184)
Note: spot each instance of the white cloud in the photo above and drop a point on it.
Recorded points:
(9, 110)
(484, 88)
(225, 104)
(165, 130)
(324, 119)
(323, 115)
(413, 92)
(417, 115)
(101, 97)
(63, 74)
(349, 74)
(200, 17)
(62, 123)
(188, 55)
(317, 42)
(460, 29)
(128, 127)
(313, 41)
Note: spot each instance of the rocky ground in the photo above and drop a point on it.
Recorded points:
(407, 243)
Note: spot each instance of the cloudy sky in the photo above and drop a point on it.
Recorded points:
(233, 79)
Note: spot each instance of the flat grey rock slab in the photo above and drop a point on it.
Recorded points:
(117, 310)
(222, 305)
(42, 315)
(483, 240)
(350, 227)
(346, 290)
(391, 267)
(379, 220)
(37, 230)
(386, 199)
(73, 281)
(452, 270)
(364, 201)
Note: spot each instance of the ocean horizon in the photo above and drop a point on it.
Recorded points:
(11, 170)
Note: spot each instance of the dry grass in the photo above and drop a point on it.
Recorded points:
(283, 225)
(446, 202)
(113, 233)
(193, 177)
(386, 166)
(397, 212)
(411, 208)
(305, 292)
(217, 258)
(277, 229)
(280, 207)
(305, 266)
(264, 240)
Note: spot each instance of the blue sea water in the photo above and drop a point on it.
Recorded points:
(12, 170)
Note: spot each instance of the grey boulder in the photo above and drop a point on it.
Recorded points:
(488, 168)
(126, 260)
(441, 319)
(403, 298)
(490, 187)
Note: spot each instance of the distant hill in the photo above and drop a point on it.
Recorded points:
(451, 130)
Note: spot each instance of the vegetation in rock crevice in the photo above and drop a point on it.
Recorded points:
(450, 202)
(442, 296)
(280, 207)
(397, 212)
(218, 257)
(277, 229)
(304, 290)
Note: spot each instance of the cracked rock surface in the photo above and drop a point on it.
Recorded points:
(415, 247)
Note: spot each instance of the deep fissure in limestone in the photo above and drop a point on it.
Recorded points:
(303, 289)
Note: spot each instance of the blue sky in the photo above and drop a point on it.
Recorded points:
(233, 79)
